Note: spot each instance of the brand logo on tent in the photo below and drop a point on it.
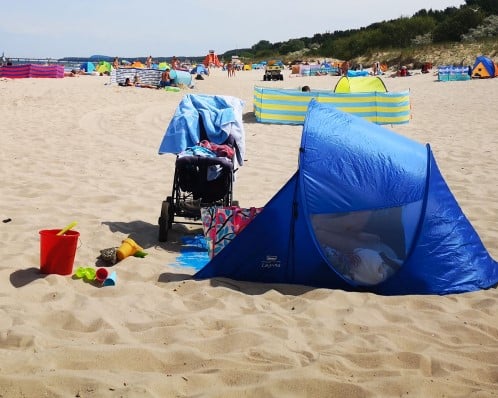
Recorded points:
(270, 262)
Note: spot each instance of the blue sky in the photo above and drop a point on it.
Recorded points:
(130, 28)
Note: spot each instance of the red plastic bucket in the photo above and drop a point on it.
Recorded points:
(57, 252)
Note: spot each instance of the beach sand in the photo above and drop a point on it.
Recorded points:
(81, 149)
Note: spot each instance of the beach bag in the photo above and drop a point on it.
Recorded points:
(222, 224)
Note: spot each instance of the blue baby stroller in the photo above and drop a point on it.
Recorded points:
(207, 136)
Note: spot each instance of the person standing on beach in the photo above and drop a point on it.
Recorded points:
(344, 68)
(148, 63)
(175, 63)
(230, 69)
(115, 63)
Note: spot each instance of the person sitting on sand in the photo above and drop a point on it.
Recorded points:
(165, 78)
(127, 82)
(74, 73)
(404, 71)
(135, 83)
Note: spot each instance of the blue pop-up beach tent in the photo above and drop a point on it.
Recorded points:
(367, 210)
(199, 69)
(88, 67)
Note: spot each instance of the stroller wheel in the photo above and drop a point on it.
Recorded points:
(164, 222)
(171, 211)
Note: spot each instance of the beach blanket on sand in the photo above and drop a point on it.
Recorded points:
(220, 116)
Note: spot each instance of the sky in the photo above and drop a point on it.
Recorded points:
(134, 28)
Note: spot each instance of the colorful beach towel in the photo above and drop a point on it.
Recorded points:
(222, 224)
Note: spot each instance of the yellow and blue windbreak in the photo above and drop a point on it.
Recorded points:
(289, 106)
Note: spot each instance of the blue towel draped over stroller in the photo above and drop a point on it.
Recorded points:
(221, 116)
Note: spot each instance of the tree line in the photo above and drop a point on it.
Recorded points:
(473, 21)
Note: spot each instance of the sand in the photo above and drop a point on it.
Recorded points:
(81, 149)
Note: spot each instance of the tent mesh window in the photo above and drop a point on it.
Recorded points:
(367, 247)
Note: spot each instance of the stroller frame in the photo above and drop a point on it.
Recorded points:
(191, 191)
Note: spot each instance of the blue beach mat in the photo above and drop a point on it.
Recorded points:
(193, 253)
